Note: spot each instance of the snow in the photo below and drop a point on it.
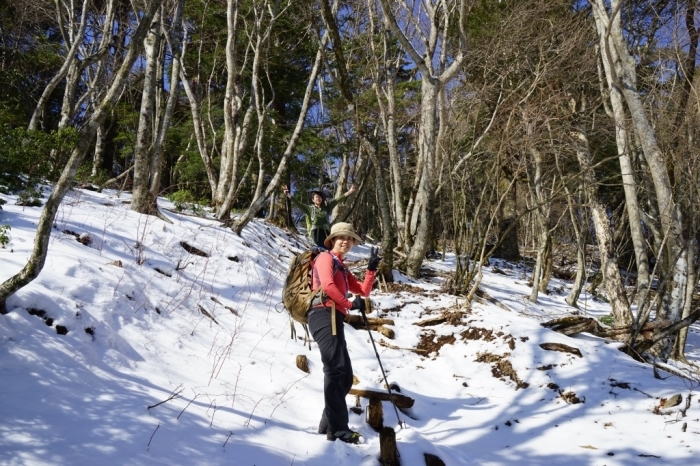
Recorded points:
(138, 336)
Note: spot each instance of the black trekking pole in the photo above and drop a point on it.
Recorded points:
(388, 387)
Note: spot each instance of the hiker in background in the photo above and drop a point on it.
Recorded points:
(318, 213)
(326, 325)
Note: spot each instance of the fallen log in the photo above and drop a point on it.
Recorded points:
(386, 331)
(415, 350)
(401, 401)
(562, 348)
(484, 297)
(432, 321)
(572, 325)
(357, 321)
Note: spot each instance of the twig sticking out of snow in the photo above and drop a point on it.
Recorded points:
(175, 394)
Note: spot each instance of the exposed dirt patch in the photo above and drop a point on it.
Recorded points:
(429, 343)
(396, 287)
(547, 367)
(570, 397)
(476, 333)
(391, 309)
(82, 239)
(502, 368)
(553, 386)
(37, 312)
(450, 318)
(489, 358)
(454, 318)
(42, 315)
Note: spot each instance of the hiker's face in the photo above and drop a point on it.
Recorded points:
(316, 199)
(343, 244)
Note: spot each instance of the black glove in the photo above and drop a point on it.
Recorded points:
(359, 304)
(373, 260)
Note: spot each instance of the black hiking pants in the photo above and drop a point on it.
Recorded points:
(337, 369)
(319, 235)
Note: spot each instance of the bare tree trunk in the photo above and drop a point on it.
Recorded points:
(276, 180)
(69, 61)
(69, 95)
(679, 348)
(541, 214)
(572, 298)
(676, 257)
(608, 261)
(143, 201)
(432, 80)
(175, 45)
(385, 217)
(422, 217)
(231, 104)
(629, 184)
(200, 133)
(85, 137)
(387, 110)
(99, 156)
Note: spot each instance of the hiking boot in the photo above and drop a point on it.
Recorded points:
(347, 436)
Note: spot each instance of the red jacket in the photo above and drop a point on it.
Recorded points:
(336, 286)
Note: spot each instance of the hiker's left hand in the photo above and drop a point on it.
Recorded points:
(374, 259)
(359, 304)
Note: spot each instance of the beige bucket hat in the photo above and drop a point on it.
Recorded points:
(341, 229)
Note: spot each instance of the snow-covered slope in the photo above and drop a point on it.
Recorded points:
(171, 357)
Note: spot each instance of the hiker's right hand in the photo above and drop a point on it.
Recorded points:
(373, 260)
(359, 304)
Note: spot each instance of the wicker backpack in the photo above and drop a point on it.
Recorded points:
(297, 295)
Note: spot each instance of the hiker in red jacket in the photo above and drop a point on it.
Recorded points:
(326, 325)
